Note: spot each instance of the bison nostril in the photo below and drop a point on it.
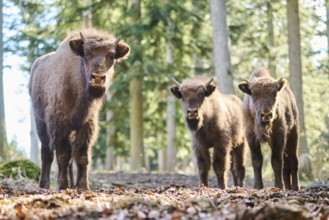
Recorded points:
(266, 113)
(266, 116)
(192, 113)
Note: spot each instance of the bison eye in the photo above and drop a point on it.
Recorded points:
(253, 96)
(111, 56)
(85, 54)
(201, 95)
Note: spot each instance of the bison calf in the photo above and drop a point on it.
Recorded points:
(214, 120)
(271, 116)
(67, 89)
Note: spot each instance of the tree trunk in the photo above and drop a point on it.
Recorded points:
(87, 14)
(136, 125)
(270, 30)
(222, 61)
(34, 138)
(171, 112)
(171, 154)
(34, 141)
(161, 159)
(295, 70)
(327, 9)
(197, 64)
(161, 143)
(3, 133)
(136, 106)
(109, 158)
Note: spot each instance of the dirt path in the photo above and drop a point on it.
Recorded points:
(158, 196)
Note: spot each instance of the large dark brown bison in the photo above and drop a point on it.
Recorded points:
(214, 120)
(67, 89)
(271, 116)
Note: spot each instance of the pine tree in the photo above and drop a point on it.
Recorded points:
(171, 111)
(222, 59)
(295, 72)
(3, 133)
(136, 106)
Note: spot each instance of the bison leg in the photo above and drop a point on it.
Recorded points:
(85, 138)
(291, 149)
(294, 172)
(277, 165)
(277, 160)
(238, 164)
(220, 165)
(64, 156)
(233, 170)
(286, 172)
(256, 160)
(47, 155)
(203, 161)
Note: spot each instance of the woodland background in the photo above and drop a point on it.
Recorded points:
(142, 124)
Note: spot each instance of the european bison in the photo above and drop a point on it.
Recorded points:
(67, 89)
(214, 120)
(271, 116)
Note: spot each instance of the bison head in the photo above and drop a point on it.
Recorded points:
(264, 92)
(193, 95)
(99, 56)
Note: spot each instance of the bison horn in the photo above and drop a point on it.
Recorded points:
(82, 38)
(175, 82)
(117, 41)
(210, 81)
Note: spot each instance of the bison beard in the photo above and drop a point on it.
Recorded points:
(193, 124)
(67, 89)
(96, 92)
(263, 132)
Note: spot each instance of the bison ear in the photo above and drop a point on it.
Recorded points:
(210, 88)
(281, 84)
(175, 91)
(122, 51)
(244, 87)
(77, 46)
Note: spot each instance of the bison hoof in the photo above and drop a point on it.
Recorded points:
(258, 186)
(44, 184)
(62, 187)
(280, 186)
(85, 188)
(295, 188)
(82, 186)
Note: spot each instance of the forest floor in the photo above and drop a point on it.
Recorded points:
(160, 196)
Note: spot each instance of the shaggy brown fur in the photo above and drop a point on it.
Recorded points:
(67, 89)
(271, 116)
(215, 120)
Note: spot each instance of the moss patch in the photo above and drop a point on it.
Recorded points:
(20, 168)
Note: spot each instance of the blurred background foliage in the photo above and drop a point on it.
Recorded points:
(37, 27)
